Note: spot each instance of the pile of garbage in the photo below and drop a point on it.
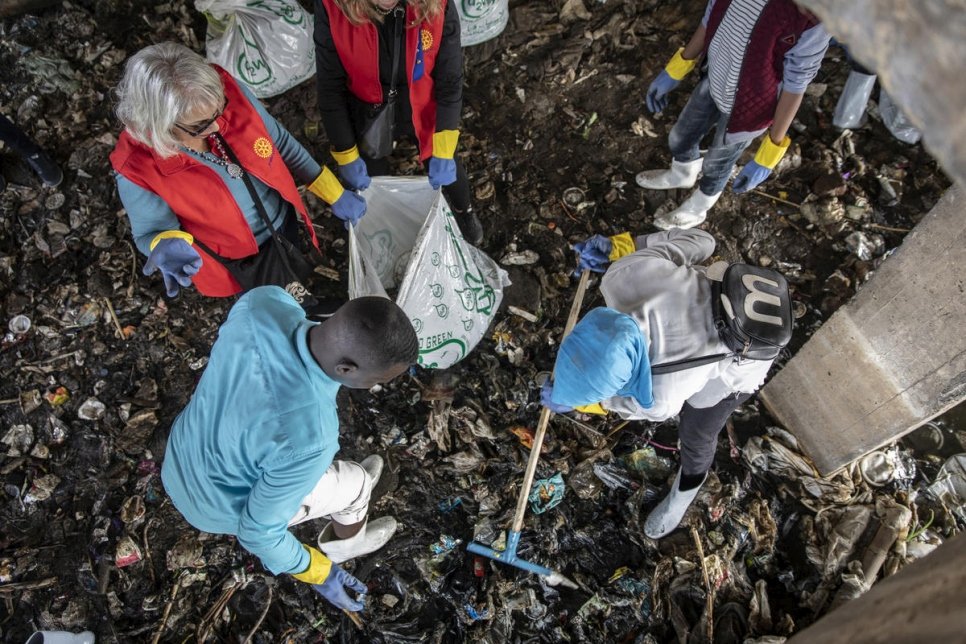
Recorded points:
(95, 363)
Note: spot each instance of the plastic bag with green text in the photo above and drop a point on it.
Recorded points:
(449, 289)
(266, 44)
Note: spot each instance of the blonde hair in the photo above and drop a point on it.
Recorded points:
(359, 12)
(162, 84)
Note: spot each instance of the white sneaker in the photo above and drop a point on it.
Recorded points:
(373, 535)
(373, 465)
(683, 174)
(669, 512)
(689, 214)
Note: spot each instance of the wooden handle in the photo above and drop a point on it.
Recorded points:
(545, 414)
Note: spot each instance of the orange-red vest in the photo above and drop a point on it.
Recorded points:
(358, 49)
(199, 197)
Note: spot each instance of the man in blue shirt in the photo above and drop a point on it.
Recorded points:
(252, 453)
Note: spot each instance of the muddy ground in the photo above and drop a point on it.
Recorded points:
(554, 131)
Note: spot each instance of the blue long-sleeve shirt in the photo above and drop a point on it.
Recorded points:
(150, 214)
(258, 433)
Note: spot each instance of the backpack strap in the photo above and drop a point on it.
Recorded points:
(688, 363)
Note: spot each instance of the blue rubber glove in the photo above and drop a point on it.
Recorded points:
(442, 172)
(355, 174)
(176, 260)
(333, 589)
(545, 393)
(350, 208)
(749, 177)
(594, 254)
(656, 97)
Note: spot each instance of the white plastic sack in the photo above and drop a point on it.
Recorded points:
(266, 44)
(449, 289)
(481, 20)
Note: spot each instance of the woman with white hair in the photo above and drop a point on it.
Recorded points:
(370, 53)
(208, 177)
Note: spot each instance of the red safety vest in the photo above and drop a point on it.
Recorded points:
(200, 199)
(358, 49)
(779, 27)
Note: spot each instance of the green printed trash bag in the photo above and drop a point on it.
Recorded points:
(265, 44)
(409, 238)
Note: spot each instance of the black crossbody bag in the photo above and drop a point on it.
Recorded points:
(752, 312)
(279, 261)
(378, 130)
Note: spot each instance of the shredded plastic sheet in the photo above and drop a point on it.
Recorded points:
(450, 290)
(267, 44)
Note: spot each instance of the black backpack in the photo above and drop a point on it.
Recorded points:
(752, 311)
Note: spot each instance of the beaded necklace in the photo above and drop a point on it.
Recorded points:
(220, 157)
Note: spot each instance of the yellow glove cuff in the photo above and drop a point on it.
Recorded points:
(621, 245)
(326, 187)
(171, 234)
(346, 156)
(444, 143)
(319, 567)
(769, 154)
(595, 408)
(677, 68)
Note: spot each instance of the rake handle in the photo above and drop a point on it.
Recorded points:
(545, 414)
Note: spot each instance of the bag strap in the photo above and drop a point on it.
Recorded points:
(259, 206)
(689, 363)
(399, 14)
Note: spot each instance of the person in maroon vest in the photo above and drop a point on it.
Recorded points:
(354, 44)
(761, 55)
(185, 195)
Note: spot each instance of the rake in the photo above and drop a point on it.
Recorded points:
(509, 555)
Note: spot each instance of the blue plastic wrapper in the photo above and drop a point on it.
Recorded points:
(445, 544)
(547, 494)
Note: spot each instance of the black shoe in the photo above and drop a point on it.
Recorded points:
(46, 169)
(470, 226)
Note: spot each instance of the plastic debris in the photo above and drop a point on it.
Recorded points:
(91, 409)
(546, 494)
(127, 552)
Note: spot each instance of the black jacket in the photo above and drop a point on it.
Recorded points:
(342, 114)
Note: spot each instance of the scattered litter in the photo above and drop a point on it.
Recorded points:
(546, 494)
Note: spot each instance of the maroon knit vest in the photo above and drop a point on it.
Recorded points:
(778, 29)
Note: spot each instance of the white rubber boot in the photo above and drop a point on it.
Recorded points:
(689, 214)
(61, 637)
(683, 174)
(373, 465)
(373, 535)
(669, 512)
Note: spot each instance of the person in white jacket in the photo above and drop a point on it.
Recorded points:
(658, 311)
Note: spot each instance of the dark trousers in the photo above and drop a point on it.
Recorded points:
(16, 139)
(698, 431)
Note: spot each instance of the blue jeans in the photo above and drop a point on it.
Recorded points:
(696, 120)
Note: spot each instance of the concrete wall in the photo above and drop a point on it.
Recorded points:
(889, 360)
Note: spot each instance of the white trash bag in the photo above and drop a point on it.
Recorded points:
(265, 44)
(449, 289)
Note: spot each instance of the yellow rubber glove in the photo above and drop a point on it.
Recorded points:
(319, 567)
(595, 408)
(444, 143)
(621, 245)
(769, 154)
(171, 234)
(677, 68)
(326, 187)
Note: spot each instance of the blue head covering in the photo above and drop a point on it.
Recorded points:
(604, 356)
